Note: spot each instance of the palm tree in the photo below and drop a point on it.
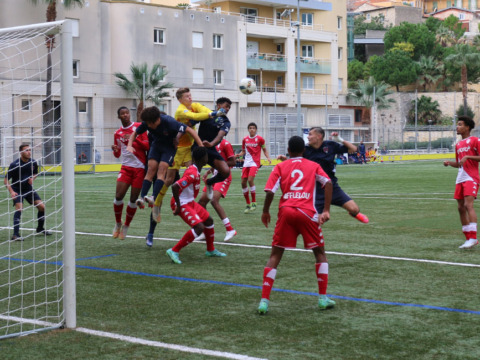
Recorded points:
(49, 119)
(429, 71)
(363, 94)
(154, 88)
(465, 56)
(445, 37)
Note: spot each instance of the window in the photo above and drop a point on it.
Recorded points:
(251, 14)
(217, 41)
(197, 40)
(161, 107)
(162, 71)
(197, 76)
(307, 19)
(307, 51)
(279, 48)
(340, 52)
(280, 80)
(218, 77)
(435, 6)
(82, 106)
(76, 68)
(75, 27)
(340, 85)
(26, 104)
(449, 4)
(217, 9)
(308, 82)
(159, 36)
(461, 16)
(255, 78)
(339, 23)
(368, 16)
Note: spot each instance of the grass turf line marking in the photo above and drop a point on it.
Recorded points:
(268, 247)
(297, 292)
(135, 340)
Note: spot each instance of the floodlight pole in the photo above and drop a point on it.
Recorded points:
(299, 96)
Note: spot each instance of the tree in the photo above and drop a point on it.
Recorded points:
(461, 111)
(360, 26)
(426, 110)
(465, 56)
(429, 71)
(453, 23)
(154, 88)
(395, 68)
(355, 72)
(363, 94)
(419, 35)
(48, 117)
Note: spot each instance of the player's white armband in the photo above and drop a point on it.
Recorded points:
(338, 139)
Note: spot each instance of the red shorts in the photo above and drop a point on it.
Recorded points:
(249, 171)
(222, 187)
(467, 188)
(293, 222)
(131, 176)
(191, 213)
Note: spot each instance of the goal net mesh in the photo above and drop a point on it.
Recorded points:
(32, 270)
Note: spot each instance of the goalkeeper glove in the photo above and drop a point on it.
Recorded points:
(338, 139)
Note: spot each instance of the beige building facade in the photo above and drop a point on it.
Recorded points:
(208, 47)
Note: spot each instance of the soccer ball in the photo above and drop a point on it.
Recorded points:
(247, 86)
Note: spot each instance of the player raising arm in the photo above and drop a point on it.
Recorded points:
(467, 156)
(297, 179)
(166, 132)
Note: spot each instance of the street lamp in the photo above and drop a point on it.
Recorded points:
(299, 97)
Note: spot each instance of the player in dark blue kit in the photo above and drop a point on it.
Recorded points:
(19, 182)
(166, 132)
(323, 152)
(211, 132)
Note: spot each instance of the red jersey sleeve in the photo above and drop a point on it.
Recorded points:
(228, 149)
(187, 179)
(243, 144)
(116, 137)
(261, 142)
(273, 182)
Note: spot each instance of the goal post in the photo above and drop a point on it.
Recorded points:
(37, 275)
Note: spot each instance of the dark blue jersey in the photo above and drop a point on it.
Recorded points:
(361, 149)
(210, 128)
(20, 172)
(325, 156)
(165, 132)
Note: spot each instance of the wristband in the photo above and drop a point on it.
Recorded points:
(338, 139)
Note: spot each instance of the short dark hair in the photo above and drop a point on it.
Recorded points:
(467, 120)
(199, 152)
(224, 100)
(252, 124)
(120, 109)
(150, 114)
(181, 91)
(296, 145)
(318, 130)
(24, 145)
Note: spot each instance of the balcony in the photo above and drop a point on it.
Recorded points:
(275, 62)
(267, 62)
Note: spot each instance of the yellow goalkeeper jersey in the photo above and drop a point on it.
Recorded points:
(184, 115)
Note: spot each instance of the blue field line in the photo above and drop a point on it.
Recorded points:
(96, 257)
(389, 303)
(33, 261)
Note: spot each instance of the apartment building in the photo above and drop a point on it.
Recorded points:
(209, 46)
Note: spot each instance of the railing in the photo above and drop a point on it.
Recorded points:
(278, 62)
(264, 21)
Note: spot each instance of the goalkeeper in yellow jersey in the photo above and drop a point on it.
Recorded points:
(186, 111)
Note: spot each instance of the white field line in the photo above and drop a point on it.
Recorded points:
(304, 250)
(135, 340)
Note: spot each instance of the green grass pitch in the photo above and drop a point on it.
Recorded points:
(403, 288)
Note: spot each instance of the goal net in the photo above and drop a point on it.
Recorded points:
(37, 270)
